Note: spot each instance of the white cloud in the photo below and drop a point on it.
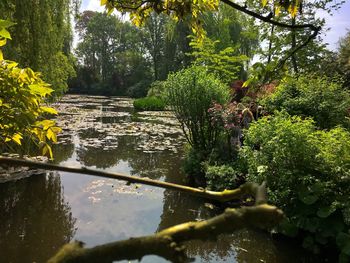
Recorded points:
(93, 5)
(338, 24)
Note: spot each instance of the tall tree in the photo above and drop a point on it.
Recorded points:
(167, 44)
(41, 37)
(112, 51)
(344, 58)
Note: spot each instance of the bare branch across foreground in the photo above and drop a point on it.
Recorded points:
(224, 196)
(169, 242)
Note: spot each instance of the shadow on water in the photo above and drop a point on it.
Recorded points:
(35, 219)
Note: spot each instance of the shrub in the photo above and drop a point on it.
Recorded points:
(193, 166)
(190, 93)
(149, 103)
(308, 176)
(221, 177)
(157, 89)
(307, 96)
(22, 104)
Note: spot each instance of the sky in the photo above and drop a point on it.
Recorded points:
(338, 23)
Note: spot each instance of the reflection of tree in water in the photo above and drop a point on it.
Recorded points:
(34, 221)
(62, 152)
(153, 165)
(242, 246)
(179, 208)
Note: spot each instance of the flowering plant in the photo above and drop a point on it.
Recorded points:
(230, 117)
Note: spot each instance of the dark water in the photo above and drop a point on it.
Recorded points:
(41, 213)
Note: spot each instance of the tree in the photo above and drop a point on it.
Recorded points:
(281, 43)
(194, 10)
(42, 38)
(344, 58)
(113, 53)
(167, 44)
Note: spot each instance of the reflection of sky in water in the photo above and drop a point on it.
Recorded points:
(109, 209)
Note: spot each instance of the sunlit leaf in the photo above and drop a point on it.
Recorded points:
(277, 10)
(293, 10)
(49, 110)
(4, 33)
(51, 135)
(17, 138)
(40, 90)
(3, 42)
(264, 2)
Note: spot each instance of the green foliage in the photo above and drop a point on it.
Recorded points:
(190, 93)
(59, 71)
(22, 95)
(141, 10)
(221, 177)
(42, 39)
(193, 164)
(308, 176)
(307, 96)
(344, 58)
(225, 64)
(111, 57)
(157, 89)
(149, 104)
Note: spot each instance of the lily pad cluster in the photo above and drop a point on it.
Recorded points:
(100, 121)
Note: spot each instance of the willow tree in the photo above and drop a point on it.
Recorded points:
(42, 37)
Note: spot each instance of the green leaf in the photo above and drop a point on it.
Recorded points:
(17, 138)
(4, 33)
(47, 150)
(45, 124)
(51, 135)
(49, 110)
(6, 23)
(326, 211)
(3, 42)
(264, 2)
(40, 90)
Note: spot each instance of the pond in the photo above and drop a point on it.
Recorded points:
(41, 213)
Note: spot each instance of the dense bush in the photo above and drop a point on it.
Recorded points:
(221, 177)
(308, 175)
(325, 101)
(190, 93)
(149, 103)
